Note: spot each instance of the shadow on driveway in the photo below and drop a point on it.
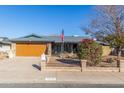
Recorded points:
(36, 66)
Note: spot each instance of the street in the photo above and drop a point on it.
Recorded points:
(60, 85)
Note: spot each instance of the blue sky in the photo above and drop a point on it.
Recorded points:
(17, 21)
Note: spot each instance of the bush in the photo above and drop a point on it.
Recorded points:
(90, 50)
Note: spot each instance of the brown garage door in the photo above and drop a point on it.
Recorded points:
(30, 49)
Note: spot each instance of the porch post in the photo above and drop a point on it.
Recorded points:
(62, 47)
(49, 49)
(71, 48)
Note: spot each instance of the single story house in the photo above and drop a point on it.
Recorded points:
(5, 44)
(6, 47)
(34, 45)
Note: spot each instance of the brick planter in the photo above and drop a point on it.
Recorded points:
(83, 65)
(121, 66)
(43, 65)
(102, 69)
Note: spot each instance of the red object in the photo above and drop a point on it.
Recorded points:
(62, 36)
(86, 40)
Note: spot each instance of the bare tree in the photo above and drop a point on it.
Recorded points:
(108, 25)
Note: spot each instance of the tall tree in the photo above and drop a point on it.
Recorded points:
(108, 25)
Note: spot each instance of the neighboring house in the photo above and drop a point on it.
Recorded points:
(105, 48)
(6, 46)
(34, 45)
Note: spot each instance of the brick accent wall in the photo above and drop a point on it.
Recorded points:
(102, 69)
(121, 65)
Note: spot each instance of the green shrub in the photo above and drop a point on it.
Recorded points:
(90, 50)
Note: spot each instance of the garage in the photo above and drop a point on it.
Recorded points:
(30, 49)
(30, 46)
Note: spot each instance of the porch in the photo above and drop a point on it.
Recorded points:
(58, 48)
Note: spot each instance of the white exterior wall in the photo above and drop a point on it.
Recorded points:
(13, 50)
(8, 49)
(4, 48)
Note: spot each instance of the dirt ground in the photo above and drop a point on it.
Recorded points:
(56, 61)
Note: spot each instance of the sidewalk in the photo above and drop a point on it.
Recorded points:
(65, 77)
(83, 77)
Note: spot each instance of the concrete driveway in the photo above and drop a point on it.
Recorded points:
(21, 69)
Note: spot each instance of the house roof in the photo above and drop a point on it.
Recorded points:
(34, 37)
(4, 40)
(71, 39)
(56, 39)
(103, 43)
(31, 37)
